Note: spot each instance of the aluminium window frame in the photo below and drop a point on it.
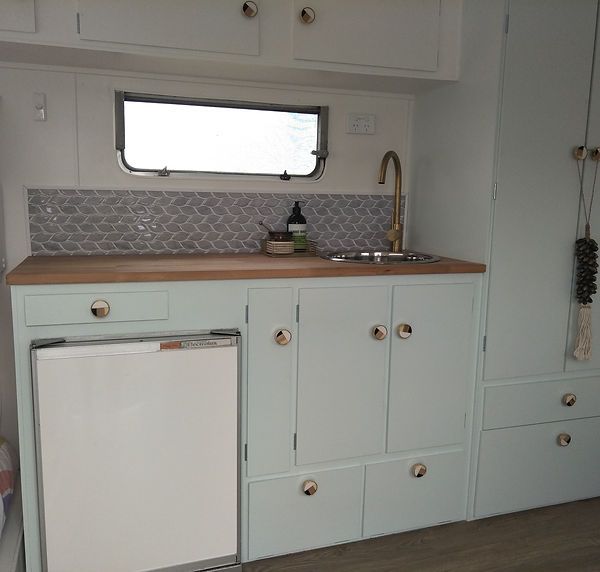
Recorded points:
(321, 152)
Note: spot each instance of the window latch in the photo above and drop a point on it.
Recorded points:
(164, 172)
(320, 153)
(285, 176)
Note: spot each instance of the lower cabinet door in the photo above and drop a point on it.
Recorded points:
(537, 465)
(414, 493)
(284, 518)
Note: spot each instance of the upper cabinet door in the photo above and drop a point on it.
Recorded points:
(17, 15)
(186, 24)
(402, 34)
(547, 76)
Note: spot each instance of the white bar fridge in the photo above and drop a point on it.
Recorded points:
(138, 454)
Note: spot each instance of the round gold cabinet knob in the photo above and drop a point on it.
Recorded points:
(309, 488)
(563, 439)
(404, 331)
(569, 399)
(100, 308)
(249, 9)
(307, 15)
(379, 332)
(283, 337)
(419, 470)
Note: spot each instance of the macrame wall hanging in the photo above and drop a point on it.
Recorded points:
(586, 252)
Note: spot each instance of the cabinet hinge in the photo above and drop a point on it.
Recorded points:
(495, 191)
(246, 313)
(245, 451)
(295, 440)
(484, 343)
(78, 23)
(297, 313)
(506, 22)
(465, 424)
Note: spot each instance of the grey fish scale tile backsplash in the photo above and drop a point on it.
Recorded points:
(88, 222)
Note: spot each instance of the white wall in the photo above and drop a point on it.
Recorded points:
(74, 148)
(453, 147)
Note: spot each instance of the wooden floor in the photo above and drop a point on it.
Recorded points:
(563, 538)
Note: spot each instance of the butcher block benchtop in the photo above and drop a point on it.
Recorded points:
(173, 267)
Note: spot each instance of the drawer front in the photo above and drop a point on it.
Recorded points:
(525, 467)
(282, 518)
(396, 499)
(56, 309)
(541, 402)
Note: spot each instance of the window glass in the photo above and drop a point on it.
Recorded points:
(154, 132)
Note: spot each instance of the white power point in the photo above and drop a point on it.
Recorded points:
(361, 123)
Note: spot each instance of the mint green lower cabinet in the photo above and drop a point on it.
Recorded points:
(269, 381)
(525, 467)
(284, 519)
(342, 373)
(396, 500)
(540, 402)
(430, 369)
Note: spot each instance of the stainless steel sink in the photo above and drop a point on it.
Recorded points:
(382, 257)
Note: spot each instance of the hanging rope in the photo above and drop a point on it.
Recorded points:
(586, 252)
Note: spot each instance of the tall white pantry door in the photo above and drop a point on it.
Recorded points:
(138, 456)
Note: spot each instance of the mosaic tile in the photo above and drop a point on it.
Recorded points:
(104, 221)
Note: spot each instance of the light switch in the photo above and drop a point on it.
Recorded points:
(39, 107)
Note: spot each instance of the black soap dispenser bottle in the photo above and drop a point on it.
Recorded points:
(296, 224)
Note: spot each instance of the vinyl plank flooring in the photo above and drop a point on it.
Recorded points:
(563, 538)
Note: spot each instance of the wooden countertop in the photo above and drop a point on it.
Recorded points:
(172, 267)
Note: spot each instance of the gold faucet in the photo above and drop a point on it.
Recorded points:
(394, 234)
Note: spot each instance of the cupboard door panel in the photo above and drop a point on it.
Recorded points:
(396, 500)
(430, 369)
(387, 33)
(524, 467)
(17, 15)
(341, 373)
(543, 117)
(269, 381)
(187, 24)
(284, 519)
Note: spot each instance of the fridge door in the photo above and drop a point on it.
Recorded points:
(138, 456)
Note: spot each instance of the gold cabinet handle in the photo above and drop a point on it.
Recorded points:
(569, 399)
(283, 337)
(307, 15)
(379, 332)
(418, 470)
(249, 9)
(100, 308)
(404, 331)
(309, 488)
(563, 439)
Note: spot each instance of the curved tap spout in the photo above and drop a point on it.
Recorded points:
(394, 235)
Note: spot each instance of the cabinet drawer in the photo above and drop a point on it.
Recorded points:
(525, 467)
(395, 499)
(284, 519)
(55, 309)
(540, 402)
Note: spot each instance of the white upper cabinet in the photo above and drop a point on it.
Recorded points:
(203, 25)
(17, 15)
(255, 39)
(398, 34)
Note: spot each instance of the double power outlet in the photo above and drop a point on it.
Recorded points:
(360, 123)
